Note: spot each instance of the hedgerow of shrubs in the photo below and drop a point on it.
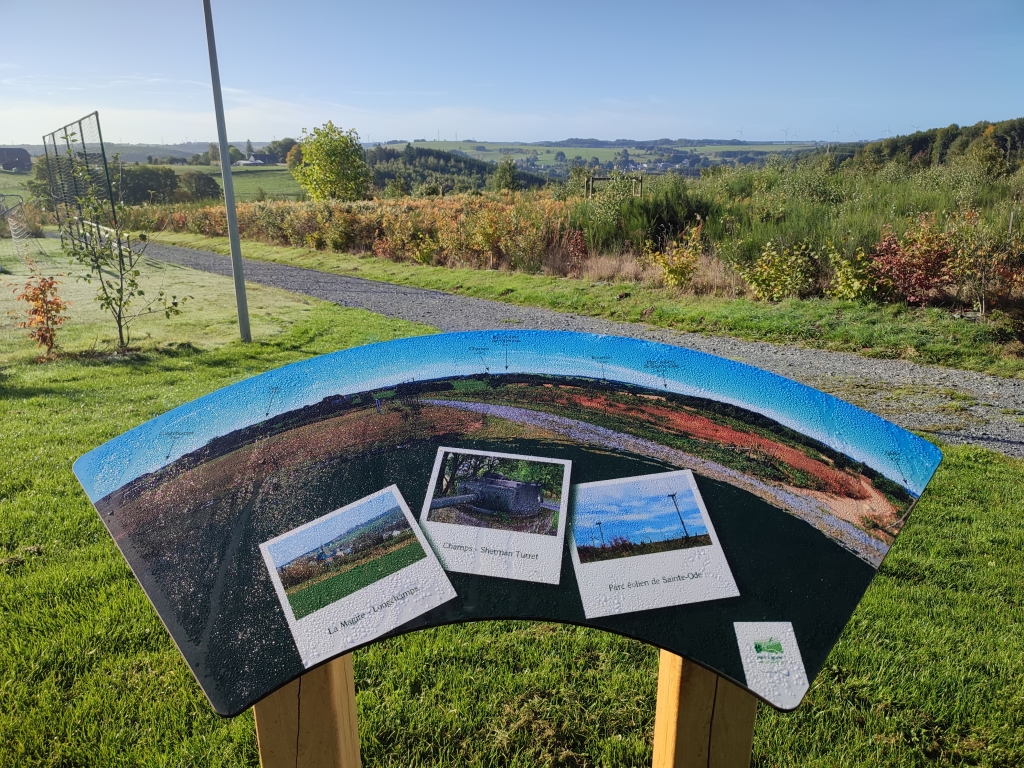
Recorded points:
(932, 235)
(514, 231)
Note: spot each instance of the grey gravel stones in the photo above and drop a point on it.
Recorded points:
(954, 406)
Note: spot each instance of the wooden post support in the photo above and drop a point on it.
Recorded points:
(311, 722)
(702, 720)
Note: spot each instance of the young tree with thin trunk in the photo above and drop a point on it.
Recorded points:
(332, 165)
(109, 258)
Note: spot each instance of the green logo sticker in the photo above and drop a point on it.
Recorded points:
(771, 645)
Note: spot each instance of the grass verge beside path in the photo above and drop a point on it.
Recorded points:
(932, 336)
(930, 671)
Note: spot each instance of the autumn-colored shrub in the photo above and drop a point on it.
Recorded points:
(514, 230)
(851, 279)
(45, 310)
(915, 267)
(980, 267)
(575, 247)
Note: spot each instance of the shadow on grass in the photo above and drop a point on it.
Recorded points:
(133, 354)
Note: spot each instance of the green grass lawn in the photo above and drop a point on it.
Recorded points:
(12, 183)
(276, 181)
(892, 331)
(323, 593)
(929, 672)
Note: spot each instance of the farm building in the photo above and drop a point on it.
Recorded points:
(15, 159)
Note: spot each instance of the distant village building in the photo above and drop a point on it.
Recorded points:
(258, 159)
(15, 159)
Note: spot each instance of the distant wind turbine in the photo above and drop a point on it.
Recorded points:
(786, 131)
(675, 503)
(916, 128)
(836, 132)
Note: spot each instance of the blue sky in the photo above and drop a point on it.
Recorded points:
(335, 525)
(638, 510)
(526, 71)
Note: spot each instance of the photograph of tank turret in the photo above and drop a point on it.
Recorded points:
(488, 491)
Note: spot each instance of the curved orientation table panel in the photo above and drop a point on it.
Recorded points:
(709, 508)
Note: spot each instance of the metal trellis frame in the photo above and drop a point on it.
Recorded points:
(12, 212)
(77, 165)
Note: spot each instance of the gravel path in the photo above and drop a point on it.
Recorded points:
(955, 406)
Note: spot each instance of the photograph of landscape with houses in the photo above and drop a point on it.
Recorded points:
(342, 553)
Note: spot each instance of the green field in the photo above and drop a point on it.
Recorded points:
(323, 593)
(12, 183)
(276, 181)
(930, 671)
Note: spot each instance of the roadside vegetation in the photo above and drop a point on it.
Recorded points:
(908, 248)
(939, 236)
(929, 672)
(881, 230)
(931, 335)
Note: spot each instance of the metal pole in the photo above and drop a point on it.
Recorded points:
(229, 187)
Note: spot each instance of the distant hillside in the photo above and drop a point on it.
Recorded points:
(138, 153)
(652, 143)
(1002, 141)
(422, 170)
(364, 535)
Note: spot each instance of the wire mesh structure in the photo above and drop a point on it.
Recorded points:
(77, 166)
(12, 214)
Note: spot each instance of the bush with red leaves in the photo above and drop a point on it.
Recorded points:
(45, 310)
(914, 267)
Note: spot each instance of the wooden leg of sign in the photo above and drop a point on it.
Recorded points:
(311, 722)
(702, 720)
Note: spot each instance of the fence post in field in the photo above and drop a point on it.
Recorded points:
(702, 720)
(311, 722)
